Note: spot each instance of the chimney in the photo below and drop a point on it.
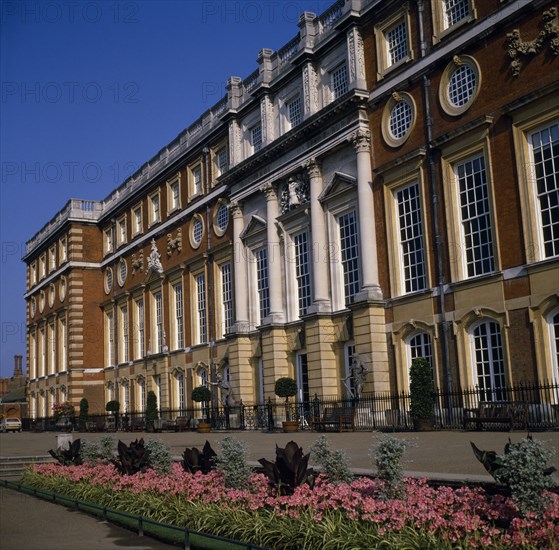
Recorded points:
(18, 368)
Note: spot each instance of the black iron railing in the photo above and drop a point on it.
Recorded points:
(383, 411)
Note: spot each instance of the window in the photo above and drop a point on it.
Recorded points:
(125, 396)
(52, 258)
(157, 384)
(62, 288)
(459, 85)
(226, 298)
(410, 232)
(41, 301)
(108, 280)
(302, 272)
(52, 349)
(221, 218)
(475, 216)
(392, 38)
(124, 334)
(140, 344)
(294, 113)
(141, 395)
(63, 250)
(121, 231)
(419, 345)
(32, 356)
(256, 138)
(154, 209)
(109, 326)
(32, 274)
(221, 161)
(174, 193)
(398, 118)
(137, 226)
(122, 271)
(201, 321)
(62, 346)
(108, 240)
(262, 283)
(397, 42)
(349, 380)
(181, 402)
(52, 294)
(42, 266)
(489, 366)
(338, 81)
(159, 334)
(32, 306)
(545, 154)
(179, 316)
(449, 15)
(349, 247)
(553, 323)
(196, 231)
(203, 377)
(455, 11)
(196, 181)
(303, 393)
(43, 343)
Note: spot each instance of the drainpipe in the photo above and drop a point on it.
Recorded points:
(210, 317)
(435, 205)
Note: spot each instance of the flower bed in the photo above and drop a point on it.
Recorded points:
(328, 516)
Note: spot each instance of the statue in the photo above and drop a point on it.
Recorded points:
(357, 377)
(293, 186)
(227, 399)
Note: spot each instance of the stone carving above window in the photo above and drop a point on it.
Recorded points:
(294, 192)
(138, 263)
(174, 243)
(154, 259)
(516, 47)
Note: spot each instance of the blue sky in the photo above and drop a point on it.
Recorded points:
(90, 90)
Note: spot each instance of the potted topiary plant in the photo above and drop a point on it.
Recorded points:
(287, 387)
(113, 407)
(84, 414)
(202, 394)
(422, 395)
(151, 411)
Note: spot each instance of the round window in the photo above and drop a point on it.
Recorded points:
(460, 84)
(398, 118)
(197, 231)
(52, 292)
(221, 219)
(108, 280)
(62, 288)
(122, 271)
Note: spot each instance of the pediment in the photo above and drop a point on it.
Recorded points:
(339, 184)
(255, 225)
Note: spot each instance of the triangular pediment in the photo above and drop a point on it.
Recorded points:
(151, 276)
(255, 225)
(339, 184)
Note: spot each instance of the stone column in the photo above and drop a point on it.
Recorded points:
(319, 241)
(274, 256)
(240, 272)
(370, 288)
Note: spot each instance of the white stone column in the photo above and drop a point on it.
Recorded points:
(370, 288)
(240, 269)
(319, 267)
(274, 256)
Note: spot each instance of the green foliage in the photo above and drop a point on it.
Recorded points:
(151, 410)
(289, 470)
(232, 461)
(70, 456)
(285, 387)
(422, 392)
(84, 414)
(523, 469)
(160, 456)
(112, 406)
(131, 459)
(93, 452)
(201, 394)
(388, 455)
(194, 460)
(334, 463)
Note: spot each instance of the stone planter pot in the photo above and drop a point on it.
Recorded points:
(423, 424)
(290, 426)
(203, 427)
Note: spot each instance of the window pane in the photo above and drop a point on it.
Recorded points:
(339, 82)
(490, 369)
(302, 268)
(262, 282)
(350, 254)
(454, 11)
(397, 42)
(461, 85)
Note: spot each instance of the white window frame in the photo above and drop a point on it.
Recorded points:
(218, 152)
(178, 317)
(441, 27)
(384, 62)
(109, 338)
(154, 202)
(262, 283)
(195, 184)
(63, 345)
(554, 344)
(174, 198)
(33, 274)
(256, 137)
(137, 220)
(158, 326)
(52, 348)
(181, 392)
(335, 91)
(108, 244)
(225, 297)
(43, 265)
(200, 324)
(43, 355)
(302, 272)
(121, 231)
(459, 63)
(290, 116)
(124, 329)
(63, 249)
(345, 298)
(140, 324)
(52, 258)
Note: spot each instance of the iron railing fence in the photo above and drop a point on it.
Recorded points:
(382, 411)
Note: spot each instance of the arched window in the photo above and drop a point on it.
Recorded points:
(488, 361)
(420, 346)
